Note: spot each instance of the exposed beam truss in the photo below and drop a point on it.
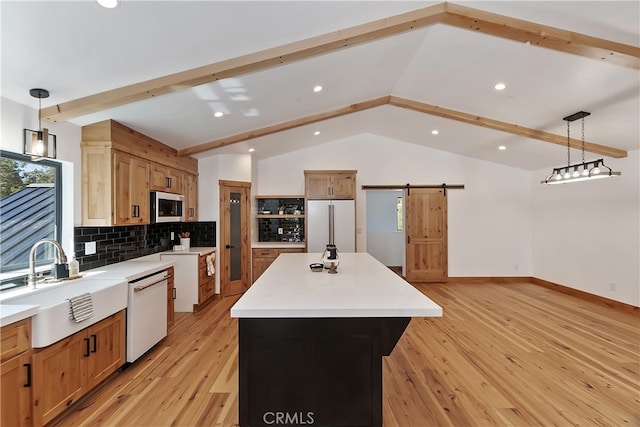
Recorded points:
(444, 13)
(421, 107)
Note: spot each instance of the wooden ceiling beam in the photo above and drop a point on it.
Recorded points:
(409, 104)
(445, 13)
(541, 35)
(476, 120)
(268, 130)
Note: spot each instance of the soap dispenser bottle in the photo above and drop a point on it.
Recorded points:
(74, 267)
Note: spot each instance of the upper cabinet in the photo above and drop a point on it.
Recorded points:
(119, 169)
(164, 178)
(330, 184)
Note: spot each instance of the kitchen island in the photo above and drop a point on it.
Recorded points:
(311, 343)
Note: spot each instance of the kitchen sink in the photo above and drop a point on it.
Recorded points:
(52, 323)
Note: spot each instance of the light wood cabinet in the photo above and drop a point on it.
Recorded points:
(164, 178)
(121, 166)
(171, 294)
(330, 184)
(190, 191)
(264, 257)
(66, 370)
(131, 183)
(15, 374)
(206, 283)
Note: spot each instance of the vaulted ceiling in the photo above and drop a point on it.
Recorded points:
(392, 68)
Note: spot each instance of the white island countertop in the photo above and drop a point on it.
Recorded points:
(363, 287)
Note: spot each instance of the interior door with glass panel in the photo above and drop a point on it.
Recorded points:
(235, 260)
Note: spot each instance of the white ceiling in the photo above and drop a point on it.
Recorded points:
(76, 49)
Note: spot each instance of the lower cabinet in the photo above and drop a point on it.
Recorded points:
(193, 285)
(263, 257)
(171, 295)
(66, 370)
(15, 374)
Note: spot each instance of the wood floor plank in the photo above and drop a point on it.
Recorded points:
(503, 355)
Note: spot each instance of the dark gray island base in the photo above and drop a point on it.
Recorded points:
(314, 371)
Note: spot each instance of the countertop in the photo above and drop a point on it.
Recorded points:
(191, 251)
(128, 270)
(363, 287)
(10, 313)
(277, 245)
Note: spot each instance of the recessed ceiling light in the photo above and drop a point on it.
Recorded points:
(251, 150)
(317, 132)
(435, 131)
(109, 4)
(317, 88)
(502, 147)
(218, 114)
(500, 86)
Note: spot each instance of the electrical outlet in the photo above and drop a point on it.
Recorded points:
(280, 230)
(89, 248)
(173, 236)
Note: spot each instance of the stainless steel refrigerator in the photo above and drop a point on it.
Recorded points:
(317, 225)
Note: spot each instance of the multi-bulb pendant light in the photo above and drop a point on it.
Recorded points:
(39, 144)
(585, 171)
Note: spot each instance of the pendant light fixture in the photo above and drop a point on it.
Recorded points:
(39, 144)
(585, 171)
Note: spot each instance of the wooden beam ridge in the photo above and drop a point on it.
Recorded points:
(541, 35)
(446, 13)
(268, 130)
(505, 127)
(244, 64)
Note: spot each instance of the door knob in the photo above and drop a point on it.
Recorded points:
(229, 246)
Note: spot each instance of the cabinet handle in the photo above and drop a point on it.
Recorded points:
(168, 182)
(408, 239)
(88, 348)
(28, 366)
(133, 211)
(94, 338)
(174, 293)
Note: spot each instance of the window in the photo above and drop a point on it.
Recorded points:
(399, 214)
(30, 210)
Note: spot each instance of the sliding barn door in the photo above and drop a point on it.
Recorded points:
(426, 234)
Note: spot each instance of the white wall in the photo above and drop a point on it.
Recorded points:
(15, 118)
(489, 221)
(587, 234)
(211, 170)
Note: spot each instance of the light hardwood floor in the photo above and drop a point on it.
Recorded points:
(502, 355)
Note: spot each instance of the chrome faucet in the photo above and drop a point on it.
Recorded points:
(61, 258)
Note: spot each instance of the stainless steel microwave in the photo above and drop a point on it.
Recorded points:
(167, 207)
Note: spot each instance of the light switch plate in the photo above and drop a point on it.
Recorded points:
(280, 230)
(89, 248)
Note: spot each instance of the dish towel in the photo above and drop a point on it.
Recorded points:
(80, 307)
(210, 268)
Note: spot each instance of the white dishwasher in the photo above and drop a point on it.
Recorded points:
(146, 313)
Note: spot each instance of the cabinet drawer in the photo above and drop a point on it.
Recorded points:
(266, 253)
(15, 339)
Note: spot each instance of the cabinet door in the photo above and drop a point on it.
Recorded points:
(158, 177)
(106, 348)
(317, 186)
(171, 314)
(96, 186)
(343, 186)
(59, 376)
(16, 391)
(131, 190)
(191, 197)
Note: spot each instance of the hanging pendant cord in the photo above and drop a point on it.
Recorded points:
(583, 140)
(568, 143)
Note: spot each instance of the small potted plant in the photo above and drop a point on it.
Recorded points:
(281, 210)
